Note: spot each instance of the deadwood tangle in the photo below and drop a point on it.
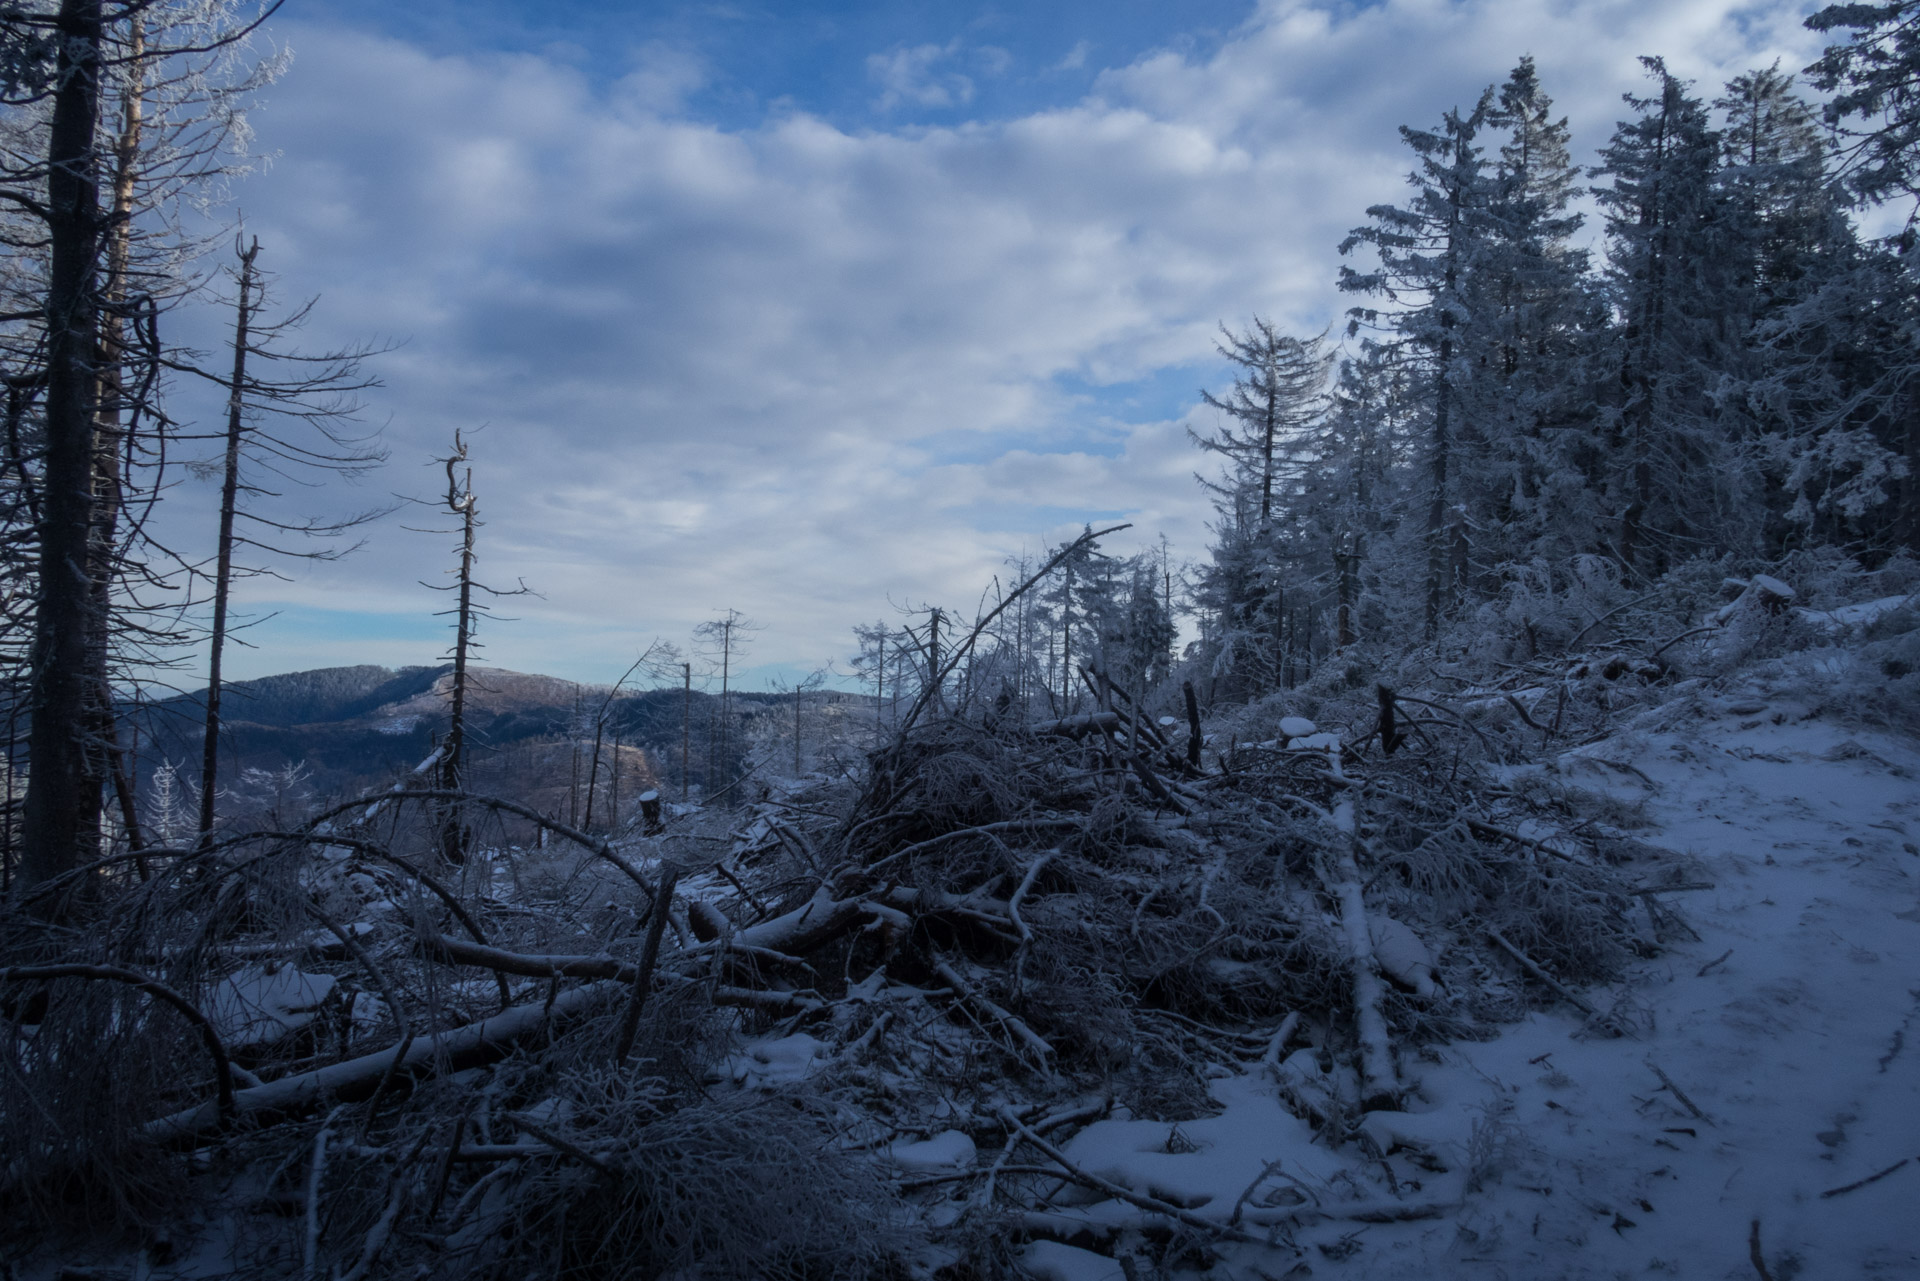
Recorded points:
(657, 980)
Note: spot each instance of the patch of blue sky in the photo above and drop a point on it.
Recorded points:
(281, 638)
(838, 59)
(1098, 420)
(1166, 393)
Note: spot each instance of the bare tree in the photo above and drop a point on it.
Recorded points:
(798, 693)
(721, 640)
(63, 785)
(318, 398)
(79, 335)
(468, 608)
(656, 662)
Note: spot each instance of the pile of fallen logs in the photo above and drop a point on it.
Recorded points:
(1001, 930)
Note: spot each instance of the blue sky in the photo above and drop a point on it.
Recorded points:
(973, 62)
(803, 309)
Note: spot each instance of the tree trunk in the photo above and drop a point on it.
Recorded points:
(1349, 594)
(933, 653)
(62, 824)
(453, 762)
(110, 432)
(1437, 507)
(223, 566)
(593, 772)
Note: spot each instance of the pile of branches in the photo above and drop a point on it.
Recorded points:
(695, 1049)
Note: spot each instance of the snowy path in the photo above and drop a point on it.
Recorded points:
(1800, 1048)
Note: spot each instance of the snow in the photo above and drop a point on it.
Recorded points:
(1799, 1047)
(1204, 1165)
(1555, 1151)
(1297, 727)
(784, 1060)
(1052, 1261)
(1848, 618)
(948, 1150)
(367, 1010)
(1402, 956)
(258, 1004)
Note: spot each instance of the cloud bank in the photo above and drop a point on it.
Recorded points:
(805, 370)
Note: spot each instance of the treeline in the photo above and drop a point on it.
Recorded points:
(1515, 434)
(1063, 626)
(1514, 418)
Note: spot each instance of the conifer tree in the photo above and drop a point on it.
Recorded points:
(1876, 108)
(1675, 483)
(1527, 289)
(1426, 254)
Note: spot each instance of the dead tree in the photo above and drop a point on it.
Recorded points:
(468, 607)
(100, 273)
(223, 557)
(722, 639)
(274, 426)
(659, 658)
(63, 783)
(686, 728)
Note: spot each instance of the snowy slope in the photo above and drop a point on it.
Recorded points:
(1799, 1047)
(1565, 1155)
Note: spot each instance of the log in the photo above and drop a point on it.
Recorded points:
(543, 966)
(815, 923)
(1156, 787)
(1076, 727)
(1380, 1086)
(354, 1080)
(707, 921)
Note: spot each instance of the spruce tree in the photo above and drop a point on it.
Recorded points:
(1527, 286)
(1426, 254)
(1675, 483)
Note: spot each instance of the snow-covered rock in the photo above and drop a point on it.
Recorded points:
(1297, 727)
(1762, 592)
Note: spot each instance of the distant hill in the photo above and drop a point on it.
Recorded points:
(352, 728)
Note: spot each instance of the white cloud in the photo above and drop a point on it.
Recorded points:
(912, 75)
(662, 78)
(798, 369)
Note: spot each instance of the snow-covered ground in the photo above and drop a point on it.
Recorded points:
(1789, 1026)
